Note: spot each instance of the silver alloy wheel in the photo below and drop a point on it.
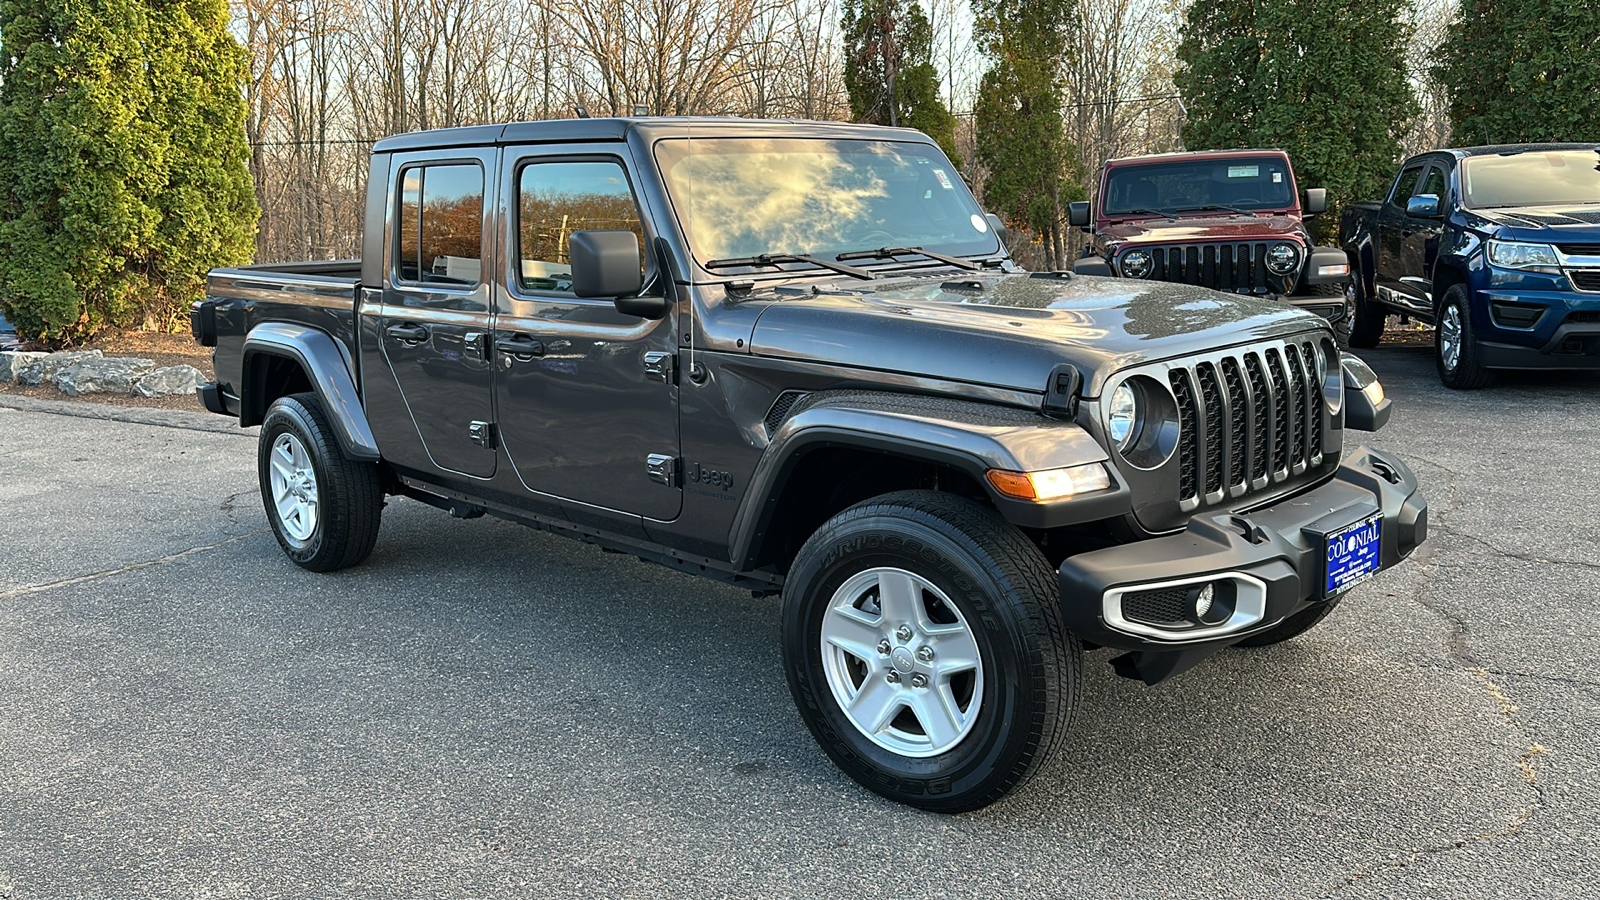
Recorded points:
(1450, 337)
(922, 696)
(294, 488)
(1350, 304)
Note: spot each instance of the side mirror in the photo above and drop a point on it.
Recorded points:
(1316, 201)
(1423, 206)
(1078, 215)
(1365, 406)
(605, 266)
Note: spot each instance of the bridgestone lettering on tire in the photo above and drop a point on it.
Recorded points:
(942, 622)
(324, 509)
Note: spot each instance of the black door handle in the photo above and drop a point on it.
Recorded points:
(520, 346)
(408, 333)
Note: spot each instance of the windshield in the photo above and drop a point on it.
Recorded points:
(740, 198)
(1198, 185)
(1532, 178)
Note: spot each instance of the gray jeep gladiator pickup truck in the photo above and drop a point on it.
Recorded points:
(796, 357)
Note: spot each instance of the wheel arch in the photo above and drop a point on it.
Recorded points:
(1446, 275)
(281, 358)
(835, 451)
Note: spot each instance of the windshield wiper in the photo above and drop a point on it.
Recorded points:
(892, 252)
(773, 259)
(1232, 209)
(1147, 212)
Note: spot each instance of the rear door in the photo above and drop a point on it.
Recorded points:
(586, 396)
(431, 325)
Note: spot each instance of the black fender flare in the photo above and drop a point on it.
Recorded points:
(969, 437)
(1092, 265)
(1323, 257)
(327, 366)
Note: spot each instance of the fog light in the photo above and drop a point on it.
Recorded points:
(1202, 601)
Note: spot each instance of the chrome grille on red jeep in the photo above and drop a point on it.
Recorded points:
(1258, 425)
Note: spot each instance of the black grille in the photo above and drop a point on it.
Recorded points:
(1260, 420)
(1211, 393)
(780, 409)
(1280, 414)
(1167, 606)
(1313, 394)
(1586, 279)
(1239, 268)
(1237, 404)
(1585, 316)
(1258, 435)
(1581, 249)
(1189, 435)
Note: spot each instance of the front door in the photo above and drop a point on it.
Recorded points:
(1419, 244)
(432, 326)
(1394, 225)
(587, 402)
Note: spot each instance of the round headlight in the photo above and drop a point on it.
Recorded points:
(1137, 264)
(1122, 416)
(1283, 258)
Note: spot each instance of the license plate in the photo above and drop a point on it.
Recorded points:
(1352, 554)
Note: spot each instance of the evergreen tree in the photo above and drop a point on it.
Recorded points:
(1032, 170)
(889, 71)
(1322, 79)
(1523, 72)
(122, 161)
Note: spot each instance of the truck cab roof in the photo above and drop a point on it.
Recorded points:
(618, 129)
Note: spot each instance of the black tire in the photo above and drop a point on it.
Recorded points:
(1292, 627)
(349, 494)
(1007, 599)
(1367, 318)
(1468, 373)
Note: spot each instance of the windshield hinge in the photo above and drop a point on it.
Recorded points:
(1061, 392)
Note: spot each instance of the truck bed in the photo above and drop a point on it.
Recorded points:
(318, 294)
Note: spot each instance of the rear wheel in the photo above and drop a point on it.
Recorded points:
(1455, 344)
(324, 509)
(923, 643)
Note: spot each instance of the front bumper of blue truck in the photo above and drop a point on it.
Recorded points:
(1172, 601)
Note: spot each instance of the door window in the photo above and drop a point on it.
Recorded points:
(557, 198)
(1403, 187)
(1433, 184)
(441, 225)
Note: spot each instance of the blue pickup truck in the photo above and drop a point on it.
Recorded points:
(1498, 247)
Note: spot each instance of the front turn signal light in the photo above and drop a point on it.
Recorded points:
(1051, 484)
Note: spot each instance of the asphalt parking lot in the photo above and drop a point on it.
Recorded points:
(486, 711)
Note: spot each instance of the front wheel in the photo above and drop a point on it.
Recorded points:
(324, 509)
(923, 643)
(1455, 344)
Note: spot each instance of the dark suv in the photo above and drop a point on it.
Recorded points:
(797, 358)
(1232, 220)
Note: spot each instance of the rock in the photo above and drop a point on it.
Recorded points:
(169, 381)
(14, 362)
(110, 375)
(43, 370)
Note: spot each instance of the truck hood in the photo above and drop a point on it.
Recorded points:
(1204, 228)
(1011, 330)
(1545, 224)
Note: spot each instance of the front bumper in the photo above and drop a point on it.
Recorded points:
(1271, 556)
(1564, 335)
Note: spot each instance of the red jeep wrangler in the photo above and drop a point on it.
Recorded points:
(1232, 220)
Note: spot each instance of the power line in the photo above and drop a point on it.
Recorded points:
(1112, 101)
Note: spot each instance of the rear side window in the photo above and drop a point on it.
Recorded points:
(440, 238)
(559, 197)
(1404, 187)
